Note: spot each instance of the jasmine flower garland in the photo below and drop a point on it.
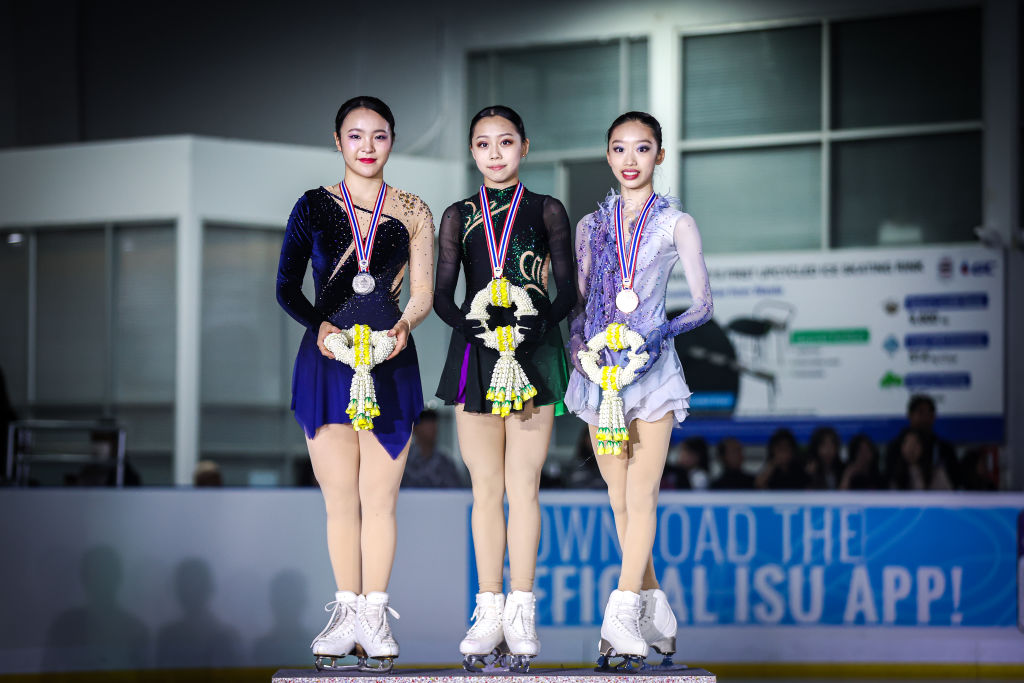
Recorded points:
(612, 430)
(362, 349)
(509, 388)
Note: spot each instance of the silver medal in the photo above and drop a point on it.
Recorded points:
(626, 300)
(363, 283)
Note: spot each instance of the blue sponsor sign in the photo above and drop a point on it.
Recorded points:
(937, 380)
(946, 340)
(791, 564)
(965, 300)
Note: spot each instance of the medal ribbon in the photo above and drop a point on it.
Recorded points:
(364, 249)
(496, 252)
(627, 262)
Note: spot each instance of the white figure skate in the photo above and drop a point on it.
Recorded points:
(373, 633)
(620, 633)
(658, 626)
(338, 638)
(486, 637)
(520, 626)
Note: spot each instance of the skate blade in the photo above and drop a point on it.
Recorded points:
(330, 663)
(520, 664)
(629, 663)
(665, 646)
(496, 661)
(667, 664)
(372, 665)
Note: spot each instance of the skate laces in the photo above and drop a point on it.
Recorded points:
(339, 611)
(479, 620)
(383, 628)
(524, 611)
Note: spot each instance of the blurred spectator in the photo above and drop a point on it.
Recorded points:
(939, 453)
(824, 467)
(207, 474)
(730, 454)
(428, 466)
(913, 470)
(103, 472)
(782, 469)
(975, 471)
(583, 472)
(862, 471)
(687, 467)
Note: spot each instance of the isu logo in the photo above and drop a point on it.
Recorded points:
(946, 268)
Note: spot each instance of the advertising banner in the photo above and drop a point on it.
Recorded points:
(792, 564)
(847, 336)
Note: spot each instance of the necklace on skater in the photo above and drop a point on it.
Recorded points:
(363, 283)
(627, 300)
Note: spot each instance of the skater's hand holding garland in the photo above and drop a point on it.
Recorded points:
(509, 388)
(362, 349)
(612, 430)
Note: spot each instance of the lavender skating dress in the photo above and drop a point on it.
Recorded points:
(662, 389)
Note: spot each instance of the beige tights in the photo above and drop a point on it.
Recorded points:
(633, 480)
(505, 456)
(360, 482)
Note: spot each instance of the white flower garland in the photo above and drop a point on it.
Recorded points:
(510, 388)
(362, 349)
(612, 430)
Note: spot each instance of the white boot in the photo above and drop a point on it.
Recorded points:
(520, 626)
(373, 632)
(658, 623)
(620, 631)
(339, 636)
(486, 637)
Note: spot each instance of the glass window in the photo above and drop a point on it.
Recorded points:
(589, 182)
(538, 177)
(751, 83)
(71, 324)
(638, 82)
(241, 320)
(755, 199)
(920, 68)
(14, 252)
(566, 94)
(910, 190)
(144, 318)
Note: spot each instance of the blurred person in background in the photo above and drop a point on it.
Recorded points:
(207, 475)
(687, 466)
(913, 469)
(824, 466)
(977, 475)
(783, 469)
(941, 453)
(862, 470)
(733, 477)
(427, 465)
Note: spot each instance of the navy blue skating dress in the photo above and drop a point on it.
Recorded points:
(319, 232)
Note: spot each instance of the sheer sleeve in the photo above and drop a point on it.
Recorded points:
(556, 220)
(291, 269)
(578, 315)
(691, 255)
(421, 267)
(448, 266)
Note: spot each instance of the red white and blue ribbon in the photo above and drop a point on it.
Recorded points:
(627, 262)
(364, 248)
(496, 252)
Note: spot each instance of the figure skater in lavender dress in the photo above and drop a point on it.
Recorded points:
(637, 616)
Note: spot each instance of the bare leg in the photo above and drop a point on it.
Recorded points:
(482, 442)
(527, 436)
(633, 480)
(379, 478)
(334, 452)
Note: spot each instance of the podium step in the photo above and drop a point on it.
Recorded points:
(539, 675)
